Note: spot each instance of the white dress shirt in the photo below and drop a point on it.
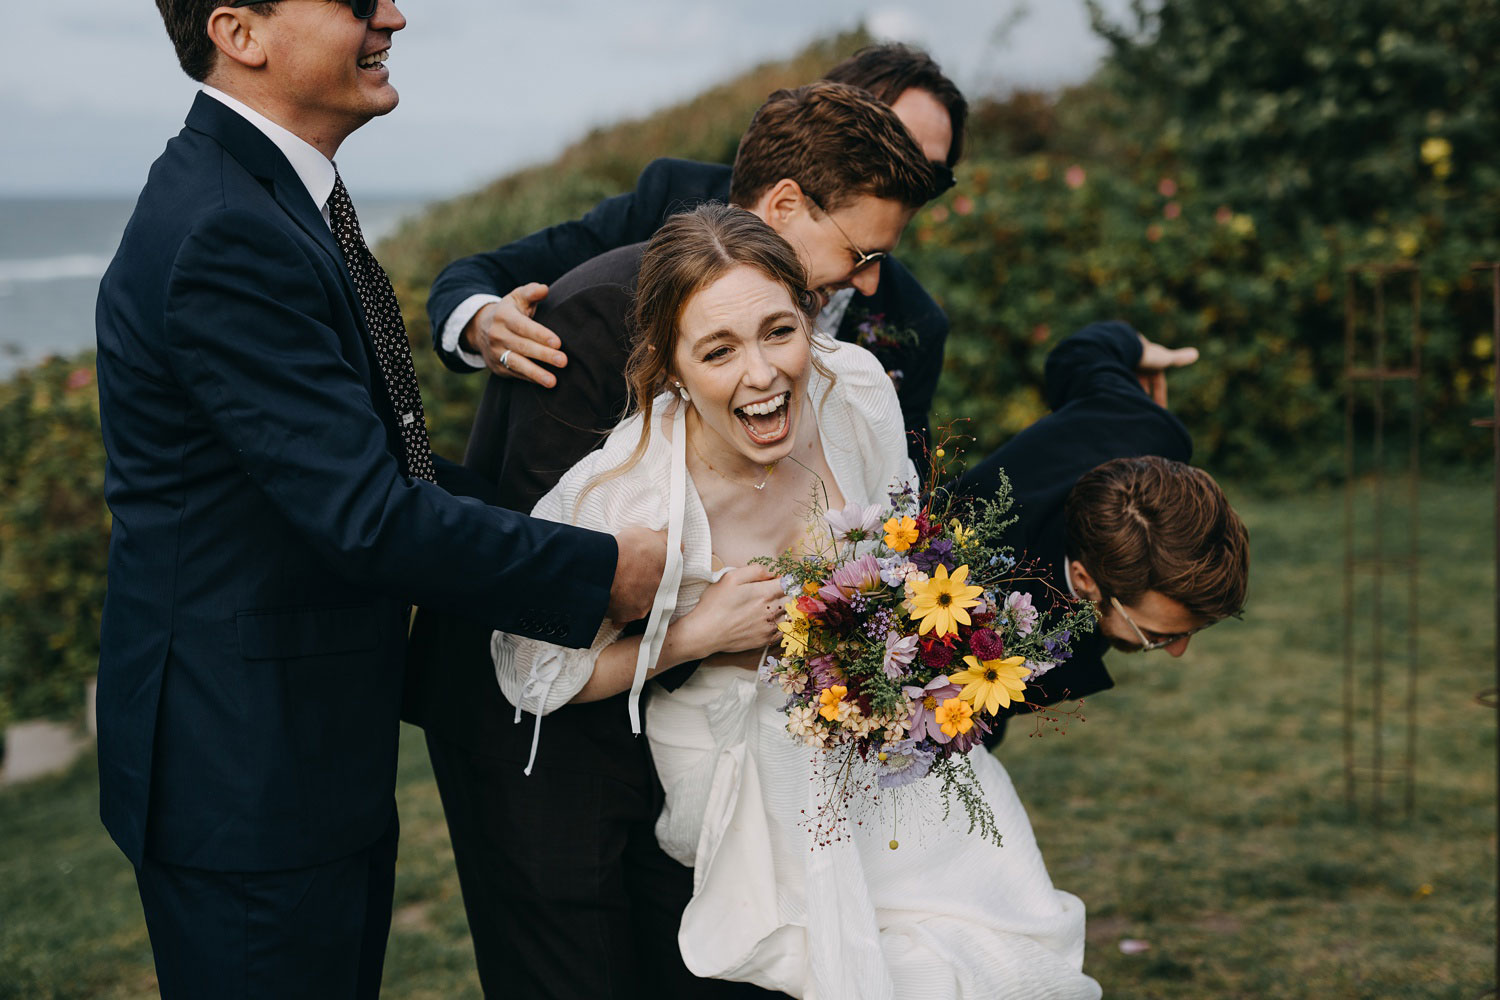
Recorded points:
(315, 170)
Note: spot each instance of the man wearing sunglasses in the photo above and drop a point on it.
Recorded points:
(275, 513)
(1109, 508)
(868, 297)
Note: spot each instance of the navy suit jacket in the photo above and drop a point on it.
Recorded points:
(666, 187)
(524, 439)
(1099, 412)
(265, 543)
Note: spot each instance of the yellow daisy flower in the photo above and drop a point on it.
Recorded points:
(900, 533)
(1436, 149)
(993, 683)
(942, 602)
(794, 630)
(829, 701)
(955, 717)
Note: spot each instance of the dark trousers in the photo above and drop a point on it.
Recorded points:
(567, 893)
(317, 932)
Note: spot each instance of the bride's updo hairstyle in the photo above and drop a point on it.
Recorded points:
(687, 254)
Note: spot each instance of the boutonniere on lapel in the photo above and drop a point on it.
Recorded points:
(887, 341)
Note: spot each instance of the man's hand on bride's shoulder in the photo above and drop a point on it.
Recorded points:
(638, 568)
(738, 612)
(1155, 360)
(511, 342)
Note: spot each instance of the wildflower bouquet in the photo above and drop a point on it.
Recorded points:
(905, 636)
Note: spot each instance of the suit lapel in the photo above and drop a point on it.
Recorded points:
(260, 157)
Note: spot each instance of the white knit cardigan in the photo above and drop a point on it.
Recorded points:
(863, 436)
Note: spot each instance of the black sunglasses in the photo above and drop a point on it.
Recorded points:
(362, 9)
(942, 179)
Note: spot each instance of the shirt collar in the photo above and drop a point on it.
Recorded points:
(831, 315)
(314, 169)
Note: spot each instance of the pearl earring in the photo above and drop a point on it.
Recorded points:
(682, 391)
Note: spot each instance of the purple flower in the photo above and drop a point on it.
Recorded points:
(1057, 645)
(905, 761)
(1039, 667)
(899, 652)
(893, 570)
(925, 702)
(938, 553)
(878, 624)
(825, 671)
(854, 523)
(903, 499)
(1018, 608)
(986, 644)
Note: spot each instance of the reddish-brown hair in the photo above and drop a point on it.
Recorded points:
(837, 142)
(1150, 523)
(689, 252)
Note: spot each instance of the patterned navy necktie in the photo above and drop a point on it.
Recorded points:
(387, 332)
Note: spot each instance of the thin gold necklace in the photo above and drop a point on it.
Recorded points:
(770, 469)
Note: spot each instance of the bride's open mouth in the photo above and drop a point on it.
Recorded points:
(767, 421)
(374, 60)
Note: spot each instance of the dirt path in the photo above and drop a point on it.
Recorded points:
(39, 747)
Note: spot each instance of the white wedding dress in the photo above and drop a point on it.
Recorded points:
(945, 916)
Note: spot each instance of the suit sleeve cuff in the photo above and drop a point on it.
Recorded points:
(453, 328)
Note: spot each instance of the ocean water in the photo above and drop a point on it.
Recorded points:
(53, 251)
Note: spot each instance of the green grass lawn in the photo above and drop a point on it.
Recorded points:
(1200, 807)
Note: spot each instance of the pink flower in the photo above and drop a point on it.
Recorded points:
(939, 214)
(1223, 215)
(899, 652)
(79, 377)
(1171, 210)
(1074, 177)
(1153, 232)
(1167, 187)
(963, 204)
(854, 522)
(1019, 609)
(850, 578)
(925, 702)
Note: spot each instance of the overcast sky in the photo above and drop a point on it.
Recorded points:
(90, 89)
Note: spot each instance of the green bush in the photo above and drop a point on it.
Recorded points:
(54, 536)
(1213, 185)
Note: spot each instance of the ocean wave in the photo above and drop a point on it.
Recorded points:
(76, 265)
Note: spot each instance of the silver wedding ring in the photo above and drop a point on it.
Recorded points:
(505, 359)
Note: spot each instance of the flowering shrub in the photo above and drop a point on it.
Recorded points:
(1211, 187)
(54, 537)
